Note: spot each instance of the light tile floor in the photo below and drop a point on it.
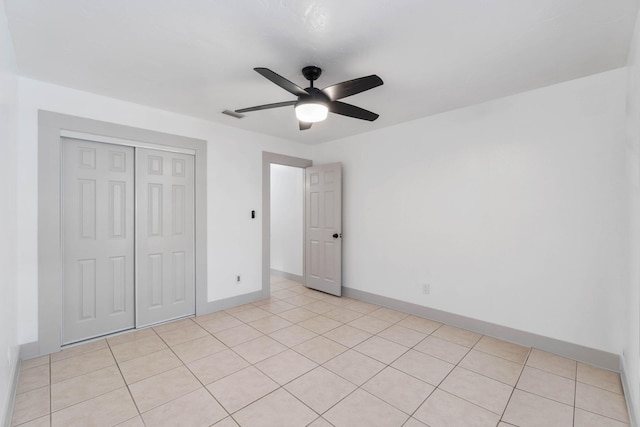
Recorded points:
(304, 358)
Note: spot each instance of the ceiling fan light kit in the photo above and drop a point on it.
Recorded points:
(311, 112)
(313, 104)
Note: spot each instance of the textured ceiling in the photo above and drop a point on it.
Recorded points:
(196, 57)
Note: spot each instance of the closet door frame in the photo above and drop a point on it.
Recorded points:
(51, 128)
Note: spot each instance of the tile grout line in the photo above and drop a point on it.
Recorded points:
(51, 411)
(192, 373)
(437, 387)
(50, 391)
(79, 376)
(546, 397)
(390, 366)
(515, 385)
(600, 388)
(231, 349)
(125, 382)
(575, 395)
(279, 385)
(282, 386)
(321, 365)
(198, 379)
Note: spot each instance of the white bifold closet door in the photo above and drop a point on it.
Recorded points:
(128, 238)
(165, 240)
(98, 260)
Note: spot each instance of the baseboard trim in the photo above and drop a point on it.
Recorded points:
(30, 350)
(288, 276)
(632, 405)
(577, 352)
(13, 387)
(230, 302)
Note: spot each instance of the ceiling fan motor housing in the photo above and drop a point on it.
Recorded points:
(315, 95)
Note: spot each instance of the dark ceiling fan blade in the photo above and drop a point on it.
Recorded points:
(281, 81)
(351, 87)
(304, 125)
(266, 106)
(351, 111)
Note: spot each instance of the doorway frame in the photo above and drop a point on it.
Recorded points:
(51, 127)
(267, 160)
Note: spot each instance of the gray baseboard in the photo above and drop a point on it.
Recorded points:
(288, 276)
(30, 350)
(581, 353)
(231, 302)
(632, 406)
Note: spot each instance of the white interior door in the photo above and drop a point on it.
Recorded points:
(323, 226)
(98, 239)
(165, 271)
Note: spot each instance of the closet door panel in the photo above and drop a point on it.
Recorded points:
(165, 271)
(98, 239)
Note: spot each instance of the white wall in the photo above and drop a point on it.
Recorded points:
(287, 218)
(9, 280)
(513, 210)
(631, 355)
(233, 184)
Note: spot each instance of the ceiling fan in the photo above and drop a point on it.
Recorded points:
(313, 104)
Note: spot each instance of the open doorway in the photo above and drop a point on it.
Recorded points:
(287, 222)
(322, 235)
(269, 159)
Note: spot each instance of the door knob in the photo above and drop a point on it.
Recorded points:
(336, 235)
